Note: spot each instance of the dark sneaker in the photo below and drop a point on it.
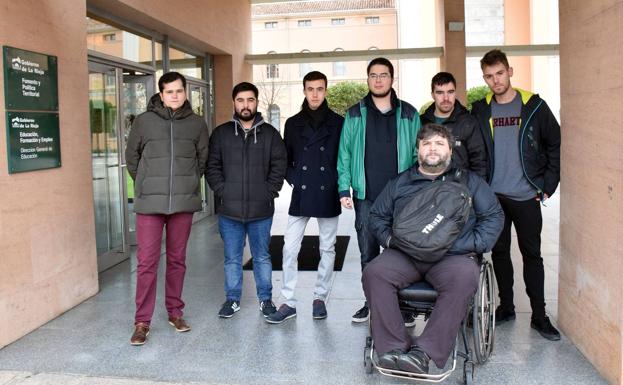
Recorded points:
(267, 307)
(285, 312)
(545, 328)
(388, 360)
(504, 314)
(139, 337)
(409, 319)
(414, 361)
(319, 309)
(229, 308)
(179, 324)
(362, 315)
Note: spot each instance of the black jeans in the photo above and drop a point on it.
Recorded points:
(368, 244)
(528, 222)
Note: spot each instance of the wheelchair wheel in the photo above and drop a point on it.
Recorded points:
(367, 360)
(483, 315)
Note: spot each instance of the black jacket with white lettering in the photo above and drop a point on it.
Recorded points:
(539, 140)
(481, 230)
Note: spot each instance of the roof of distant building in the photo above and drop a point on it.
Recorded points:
(295, 7)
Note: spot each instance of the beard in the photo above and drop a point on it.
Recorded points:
(246, 115)
(381, 95)
(434, 167)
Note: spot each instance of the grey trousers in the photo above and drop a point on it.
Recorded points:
(327, 231)
(454, 277)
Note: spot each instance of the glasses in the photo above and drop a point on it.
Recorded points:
(383, 76)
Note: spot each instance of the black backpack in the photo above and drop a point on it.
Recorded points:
(428, 225)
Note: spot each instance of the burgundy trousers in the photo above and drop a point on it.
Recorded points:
(149, 237)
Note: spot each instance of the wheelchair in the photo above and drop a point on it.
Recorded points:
(419, 299)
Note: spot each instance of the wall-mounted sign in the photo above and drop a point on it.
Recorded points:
(30, 80)
(33, 141)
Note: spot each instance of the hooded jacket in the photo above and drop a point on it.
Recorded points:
(246, 169)
(351, 162)
(481, 230)
(468, 152)
(539, 141)
(165, 155)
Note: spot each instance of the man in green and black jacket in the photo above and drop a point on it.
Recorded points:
(522, 138)
(378, 141)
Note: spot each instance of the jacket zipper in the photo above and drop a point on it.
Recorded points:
(521, 136)
(171, 163)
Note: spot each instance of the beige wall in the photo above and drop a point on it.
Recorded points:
(590, 290)
(47, 240)
(48, 260)
(355, 34)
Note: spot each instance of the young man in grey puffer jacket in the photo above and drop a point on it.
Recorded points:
(166, 155)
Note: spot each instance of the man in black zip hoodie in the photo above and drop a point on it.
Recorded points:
(522, 138)
(246, 168)
(468, 149)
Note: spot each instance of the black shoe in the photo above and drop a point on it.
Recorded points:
(504, 314)
(388, 360)
(267, 307)
(409, 319)
(229, 308)
(362, 315)
(545, 328)
(284, 313)
(414, 361)
(319, 309)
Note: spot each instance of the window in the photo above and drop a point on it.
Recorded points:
(305, 23)
(270, 25)
(274, 116)
(186, 63)
(372, 20)
(304, 68)
(272, 71)
(110, 37)
(339, 67)
(340, 21)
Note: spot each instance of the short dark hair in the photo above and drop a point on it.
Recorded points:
(170, 77)
(431, 129)
(493, 57)
(381, 61)
(440, 79)
(315, 75)
(242, 87)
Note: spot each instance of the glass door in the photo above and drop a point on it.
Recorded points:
(110, 229)
(135, 94)
(198, 101)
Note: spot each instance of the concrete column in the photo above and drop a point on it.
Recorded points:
(590, 293)
(453, 59)
(517, 26)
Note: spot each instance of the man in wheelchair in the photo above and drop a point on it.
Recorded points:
(454, 276)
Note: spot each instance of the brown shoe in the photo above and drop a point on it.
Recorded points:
(141, 331)
(179, 324)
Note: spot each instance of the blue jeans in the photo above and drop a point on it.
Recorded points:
(369, 247)
(234, 234)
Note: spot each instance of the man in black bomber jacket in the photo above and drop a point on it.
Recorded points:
(246, 167)
(468, 151)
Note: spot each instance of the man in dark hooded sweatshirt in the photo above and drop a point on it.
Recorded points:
(166, 154)
(246, 168)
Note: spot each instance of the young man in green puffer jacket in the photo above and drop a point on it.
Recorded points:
(378, 142)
